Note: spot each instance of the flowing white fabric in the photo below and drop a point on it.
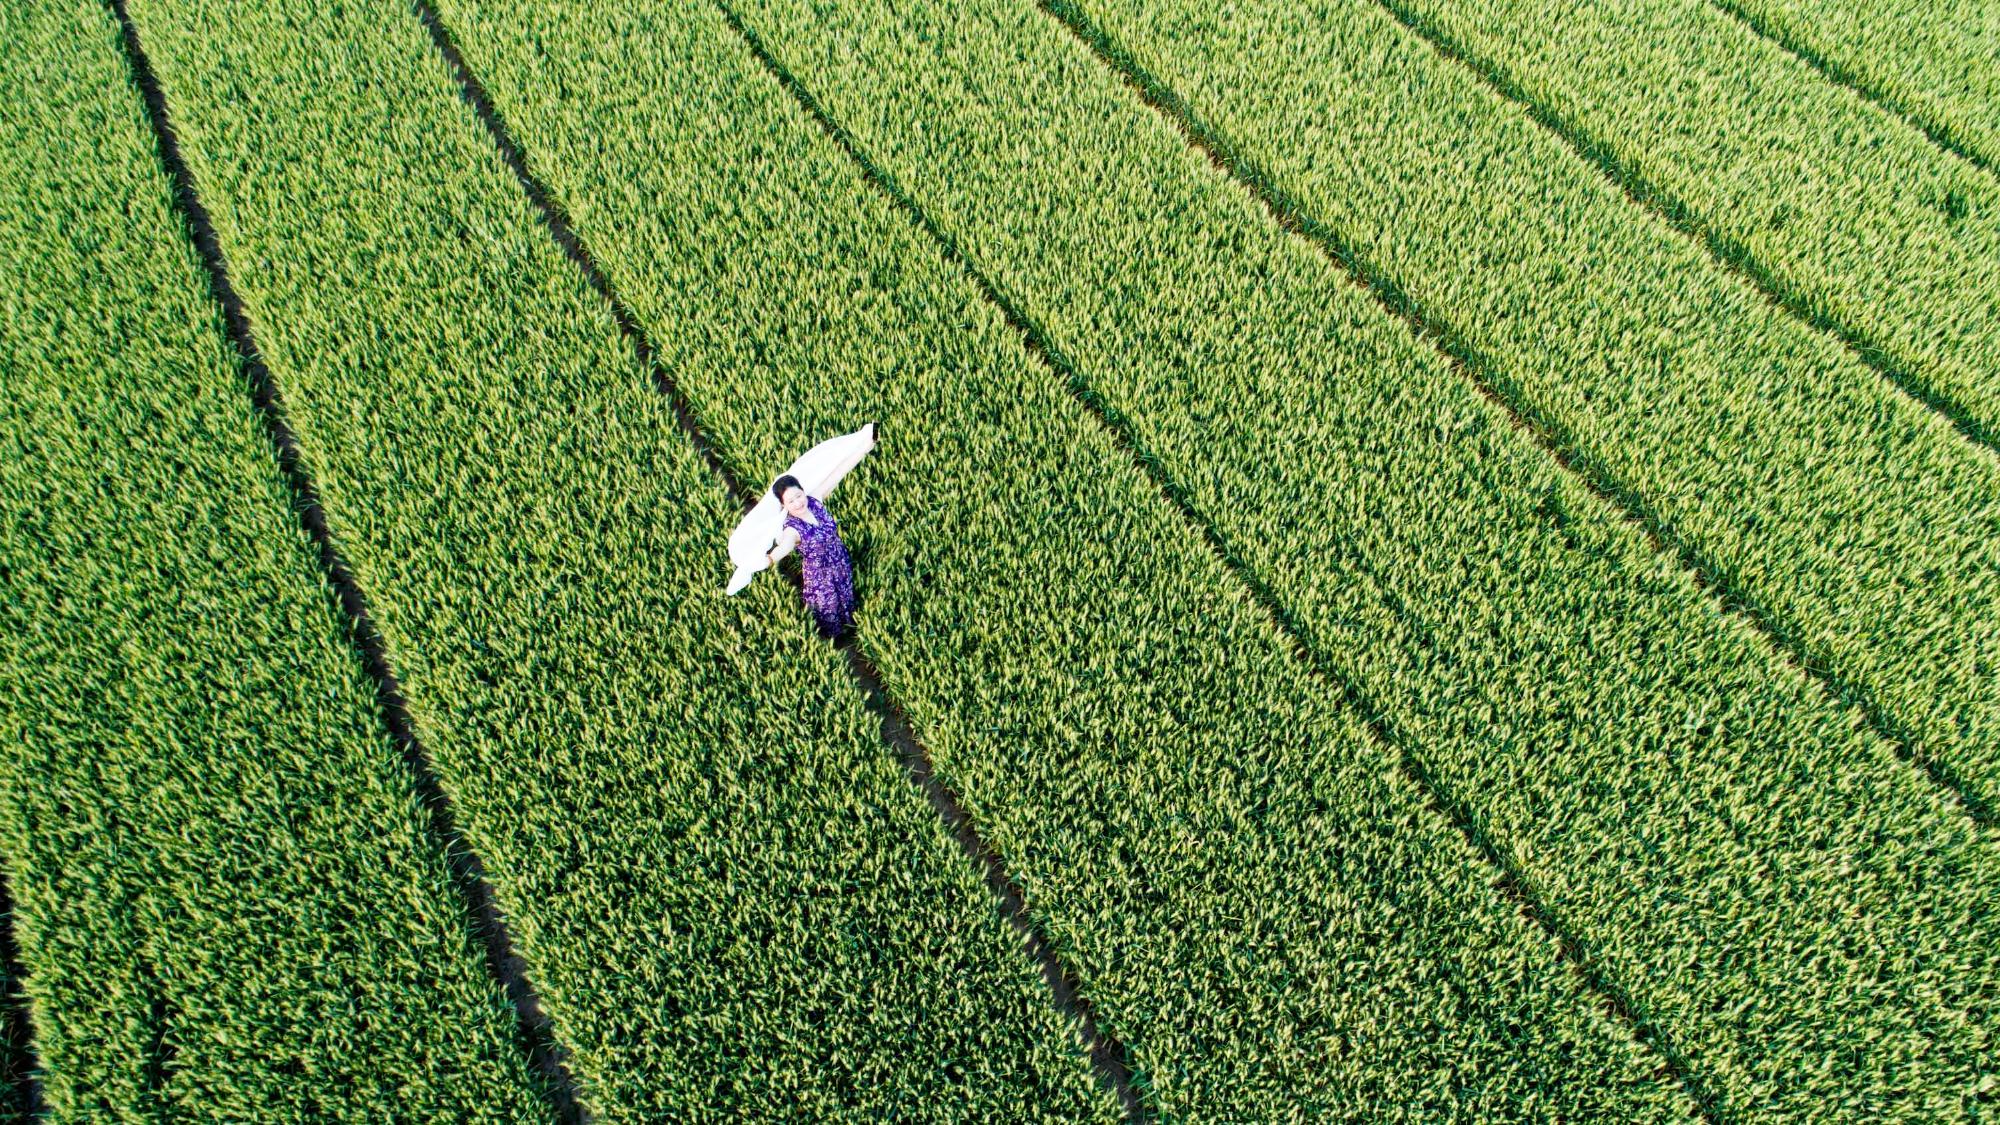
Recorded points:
(819, 469)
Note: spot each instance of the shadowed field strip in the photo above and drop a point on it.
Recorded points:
(1509, 883)
(1844, 214)
(728, 896)
(1661, 778)
(1936, 64)
(505, 964)
(1257, 901)
(1851, 521)
(20, 1086)
(226, 897)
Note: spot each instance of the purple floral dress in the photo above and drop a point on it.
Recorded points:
(829, 576)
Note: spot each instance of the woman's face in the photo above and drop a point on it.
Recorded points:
(795, 501)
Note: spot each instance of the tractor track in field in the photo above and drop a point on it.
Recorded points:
(1515, 406)
(161, 1015)
(1939, 135)
(468, 874)
(1727, 252)
(20, 1091)
(1109, 1057)
(1509, 881)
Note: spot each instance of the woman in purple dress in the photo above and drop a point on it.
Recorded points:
(829, 575)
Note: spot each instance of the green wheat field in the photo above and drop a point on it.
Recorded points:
(1430, 560)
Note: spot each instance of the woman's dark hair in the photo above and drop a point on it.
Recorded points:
(783, 484)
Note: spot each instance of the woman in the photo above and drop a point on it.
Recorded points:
(829, 574)
(795, 515)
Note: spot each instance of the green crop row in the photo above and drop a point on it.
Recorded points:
(1850, 212)
(1268, 914)
(1855, 520)
(227, 901)
(730, 897)
(1938, 64)
(1701, 815)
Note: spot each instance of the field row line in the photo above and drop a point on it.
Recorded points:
(1939, 134)
(1505, 394)
(20, 1091)
(800, 255)
(1110, 1058)
(545, 1055)
(1512, 882)
(1726, 251)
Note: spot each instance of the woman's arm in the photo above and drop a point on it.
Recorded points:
(865, 441)
(787, 539)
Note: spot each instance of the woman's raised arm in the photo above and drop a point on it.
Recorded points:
(847, 454)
